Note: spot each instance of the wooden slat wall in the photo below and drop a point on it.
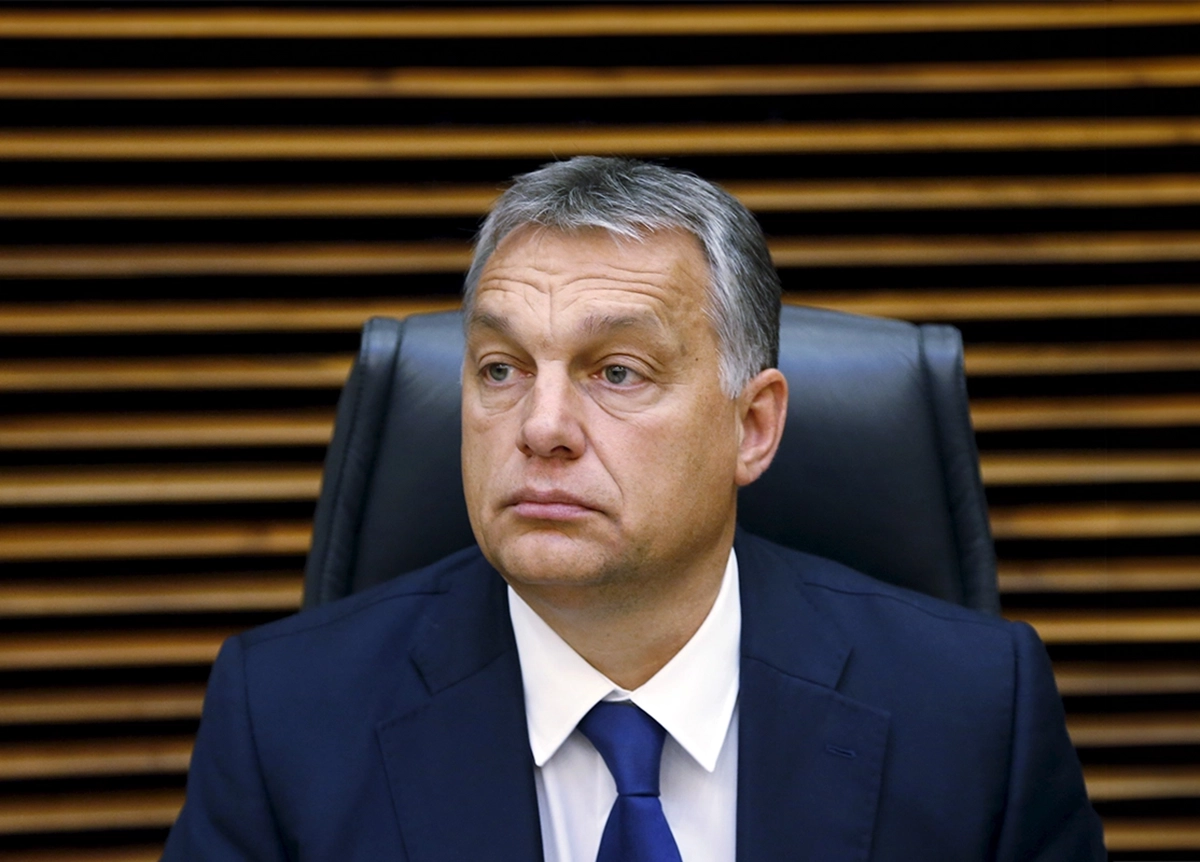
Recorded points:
(200, 205)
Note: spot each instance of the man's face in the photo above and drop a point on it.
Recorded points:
(598, 446)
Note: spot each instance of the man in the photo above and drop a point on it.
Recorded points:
(615, 673)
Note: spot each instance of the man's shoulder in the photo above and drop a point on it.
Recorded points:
(898, 650)
(884, 625)
(835, 586)
(387, 610)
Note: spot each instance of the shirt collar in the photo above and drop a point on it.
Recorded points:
(692, 696)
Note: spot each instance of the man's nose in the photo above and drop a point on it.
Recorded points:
(551, 426)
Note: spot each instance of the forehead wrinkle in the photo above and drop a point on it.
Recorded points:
(599, 324)
(487, 320)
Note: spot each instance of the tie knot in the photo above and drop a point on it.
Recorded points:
(631, 743)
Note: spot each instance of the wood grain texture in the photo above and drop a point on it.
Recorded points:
(169, 539)
(1130, 411)
(236, 592)
(74, 812)
(1116, 678)
(1085, 468)
(311, 428)
(1151, 834)
(1095, 520)
(95, 486)
(165, 702)
(1121, 730)
(1100, 575)
(67, 650)
(124, 853)
(25, 761)
(1076, 626)
(686, 20)
(546, 142)
(582, 82)
(1068, 358)
(1109, 783)
(196, 372)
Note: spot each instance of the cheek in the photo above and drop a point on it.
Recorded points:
(666, 458)
(482, 438)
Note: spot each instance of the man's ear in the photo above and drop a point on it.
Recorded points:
(762, 410)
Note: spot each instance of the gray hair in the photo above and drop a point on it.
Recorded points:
(631, 199)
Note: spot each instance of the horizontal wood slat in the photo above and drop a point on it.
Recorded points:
(366, 258)
(132, 261)
(649, 141)
(780, 196)
(82, 486)
(72, 812)
(245, 372)
(1095, 520)
(165, 430)
(1007, 303)
(1123, 574)
(1113, 626)
(108, 704)
(262, 201)
(65, 650)
(1117, 729)
(966, 193)
(97, 318)
(1084, 678)
(137, 541)
(1074, 468)
(239, 592)
(1133, 411)
(685, 20)
(1067, 358)
(1152, 834)
(1108, 783)
(560, 82)
(127, 853)
(94, 757)
(973, 250)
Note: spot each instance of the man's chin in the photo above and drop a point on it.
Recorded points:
(550, 557)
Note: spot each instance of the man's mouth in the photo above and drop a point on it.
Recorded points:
(549, 505)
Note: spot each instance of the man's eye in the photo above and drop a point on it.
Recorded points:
(498, 372)
(618, 375)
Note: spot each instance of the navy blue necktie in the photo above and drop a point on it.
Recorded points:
(631, 744)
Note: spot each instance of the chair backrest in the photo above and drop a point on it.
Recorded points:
(878, 467)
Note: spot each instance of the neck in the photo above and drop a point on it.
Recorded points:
(630, 638)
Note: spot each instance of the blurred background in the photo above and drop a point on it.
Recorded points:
(199, 205)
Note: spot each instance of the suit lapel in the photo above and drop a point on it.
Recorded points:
(457, 756)
(810, 761)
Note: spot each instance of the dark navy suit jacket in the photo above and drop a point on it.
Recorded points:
(875, 724)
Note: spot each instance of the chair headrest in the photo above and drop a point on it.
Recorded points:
(878, 467)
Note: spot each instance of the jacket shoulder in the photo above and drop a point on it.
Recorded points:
(834, 584)
(388, 603)
(344, 645)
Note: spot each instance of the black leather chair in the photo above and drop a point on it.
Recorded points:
(878, 468)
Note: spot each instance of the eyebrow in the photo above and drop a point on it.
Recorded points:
(601, 324)
(592, 326)
(487, 320)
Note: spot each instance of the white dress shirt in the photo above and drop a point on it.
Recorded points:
(694, 697)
